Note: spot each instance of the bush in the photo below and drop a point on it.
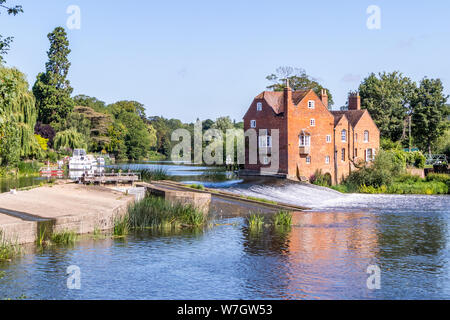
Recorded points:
(439, 177)
(416, 159)
(321, 179)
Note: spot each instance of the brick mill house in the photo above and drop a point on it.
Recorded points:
(311, 137)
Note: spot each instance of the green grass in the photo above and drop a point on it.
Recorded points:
(65, 237)
(197, 186)
(255, 222)
(154, 212)
(8, 250)
(261, 200)
(282, 219)
(156, 174)
(121, 226)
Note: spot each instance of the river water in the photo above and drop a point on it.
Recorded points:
(325, 255)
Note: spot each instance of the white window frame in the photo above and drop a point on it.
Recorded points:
(252, 124)
(259, 106)
(372, 155)
(327, 160)
(311, 104)
(308, 160)
(343, 154)
(329, 138)
(265, 141)
(312, 122)
(366, 136)
(306, 140)
(344, 135)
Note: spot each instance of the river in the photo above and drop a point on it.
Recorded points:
(325, 255)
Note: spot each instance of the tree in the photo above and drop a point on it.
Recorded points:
(91, 102)
(17, 117)
(69, 140)
(5, 43)
(429, 113)
(298, 80)
(52, 88)
(388, 98)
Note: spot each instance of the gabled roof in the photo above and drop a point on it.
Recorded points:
(353, 116)
(275, 99)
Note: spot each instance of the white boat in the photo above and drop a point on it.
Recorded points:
(82, 163)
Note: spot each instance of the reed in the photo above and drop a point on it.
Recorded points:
(8, 250)
(255, 222)
(65, 237)
(155, 174)
(121, 226)
(282, 219)
(154, 212)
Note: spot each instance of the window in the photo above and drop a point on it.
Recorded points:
(329, 138)
(308, 160)
(259, 106)
(366, 136)
(356, 137)
(266, 160)
(344, 135)
(356, 152)
(370, 155)
(253, 123)
(311, 104)
(343, 155)
(327, 159)
(305, 140)
(265, 141)
(312, 122)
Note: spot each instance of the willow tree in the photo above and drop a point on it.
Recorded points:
(18, 116)
(68, 140)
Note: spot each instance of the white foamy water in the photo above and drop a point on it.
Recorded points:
(318, 198)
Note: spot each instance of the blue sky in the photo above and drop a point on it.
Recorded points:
(205, 59)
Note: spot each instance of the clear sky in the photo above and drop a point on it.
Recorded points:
(205, 59)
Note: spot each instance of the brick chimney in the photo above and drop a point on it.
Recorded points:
(324, 97)
(354, 101)
(287, 96)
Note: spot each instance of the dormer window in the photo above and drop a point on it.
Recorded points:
(253, 123)
(311, 104)
(259, 106)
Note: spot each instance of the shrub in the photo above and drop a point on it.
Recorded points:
(439, 177)
(321, 179)
(416, 159)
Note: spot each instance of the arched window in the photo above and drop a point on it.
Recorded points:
(344, 135)
(343, 155)
(366, 136)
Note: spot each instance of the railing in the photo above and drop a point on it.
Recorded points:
(434, 159)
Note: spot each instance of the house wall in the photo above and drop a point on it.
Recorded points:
(366, 123)
(343, 167)
(299, 119)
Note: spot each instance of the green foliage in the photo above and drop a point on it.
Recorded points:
(156, 174)
(154, 212)
(8, 250)
(387, 144)
(121, 226)
(69, 139)
(260, 200)
(388, 97)
(197, 186)
(429, 113)
(416, 159)
(439, 177)
(43, 143)
(91, 102)
(17, 117)
(321, 179)
(28, 168)
(282, 219)
(52, 89)
(298, 80)
(65, 237)
(255, 222)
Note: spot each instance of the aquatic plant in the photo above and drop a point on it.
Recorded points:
(282, 218)
(8, 249)
(255, 221)
(65, 237)
(121, 226)
(154, 212)
(155, 174)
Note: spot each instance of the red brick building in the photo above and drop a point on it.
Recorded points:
(311, 137)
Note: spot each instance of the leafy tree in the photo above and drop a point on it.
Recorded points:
(429, 113)
(388, 98)
(5, 43)
(46, 131)
(52, 88)
(69, 139)
(17, 117)
(91, 102)
(127, 106)
(298, 80)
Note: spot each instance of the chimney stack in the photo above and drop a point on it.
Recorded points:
(287, 96)
(354, 101)
(324, 97)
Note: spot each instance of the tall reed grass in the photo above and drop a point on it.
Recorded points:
(8, 249)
